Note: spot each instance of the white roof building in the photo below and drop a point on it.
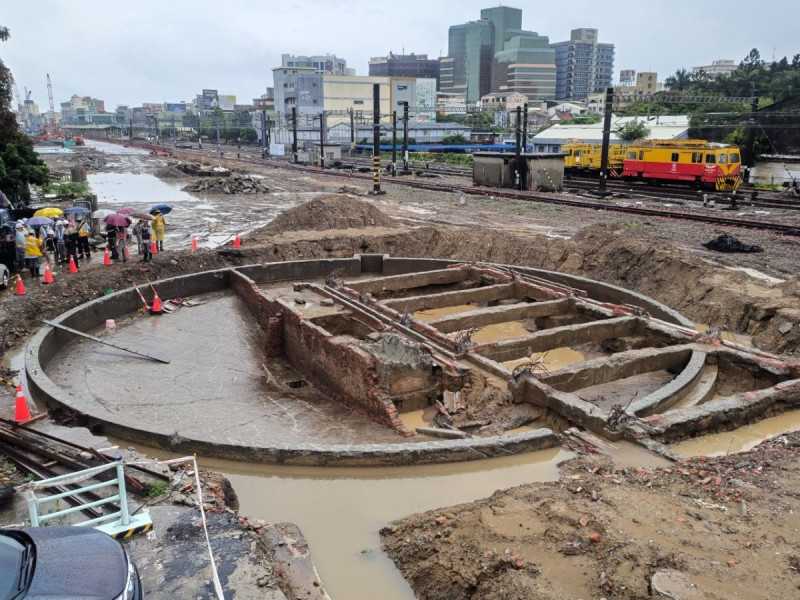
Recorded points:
(671, 127)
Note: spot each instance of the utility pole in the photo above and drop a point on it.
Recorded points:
(155, 120)
(130, 131)
(405, 138)
(263, 133)
(525, 128)
(606, 140)
(376, 139)
(394, 143)
(352, 132)
(322, 139)
(294, 134)
(750, 154)
(517, 157)
(216, 122)
(174, 132)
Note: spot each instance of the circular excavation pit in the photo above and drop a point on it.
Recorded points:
(376, 360)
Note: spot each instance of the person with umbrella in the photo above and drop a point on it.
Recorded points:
(61, 241)
(159, 227)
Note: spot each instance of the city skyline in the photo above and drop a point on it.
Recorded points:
(152, 52)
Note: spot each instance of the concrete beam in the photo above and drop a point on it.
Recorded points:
(618, 366)
(502, 314)
(557, 337)
(481, 295)
(410, 281)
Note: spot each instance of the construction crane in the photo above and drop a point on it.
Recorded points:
(52, 115)
(19, 98)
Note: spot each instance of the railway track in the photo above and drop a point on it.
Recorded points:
(43, 456)
(790, 229)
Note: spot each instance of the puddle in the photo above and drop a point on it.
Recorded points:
(341, 510)
(432, 314)
(729, 336)
(554, 359)
(758, 275)
(213, 220)
(739, 440)
(500, 331)
(414, 419)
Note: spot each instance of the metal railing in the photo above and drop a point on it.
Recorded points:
(112, 523)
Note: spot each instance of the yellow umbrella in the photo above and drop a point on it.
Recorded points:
(50, 211)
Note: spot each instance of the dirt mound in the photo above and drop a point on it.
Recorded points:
(330, 212)
(235, 184)
(170, 172)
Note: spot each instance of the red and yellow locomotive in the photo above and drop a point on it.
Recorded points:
(696, 162)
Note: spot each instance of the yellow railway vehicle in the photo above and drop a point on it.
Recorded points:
(584, 158)
(696, 162)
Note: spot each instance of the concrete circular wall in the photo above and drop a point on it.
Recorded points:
(47, 342)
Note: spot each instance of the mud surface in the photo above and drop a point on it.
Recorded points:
(726, 525)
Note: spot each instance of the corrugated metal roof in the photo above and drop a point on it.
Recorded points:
(671, 127)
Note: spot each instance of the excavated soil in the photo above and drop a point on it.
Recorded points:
(720, 527)
(717, 528)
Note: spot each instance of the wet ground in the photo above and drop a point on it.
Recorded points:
(340, 510)
(215, 387)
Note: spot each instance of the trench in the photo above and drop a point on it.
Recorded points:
(341, 510)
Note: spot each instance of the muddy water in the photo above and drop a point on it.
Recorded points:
(437, 313)
(554, 359)
(341, 510)
(742, 439)
(213, 220)
(729, 336)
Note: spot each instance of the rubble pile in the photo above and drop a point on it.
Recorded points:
(236, 184)
(198, 170)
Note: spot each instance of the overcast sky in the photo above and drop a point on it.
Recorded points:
(168, 50)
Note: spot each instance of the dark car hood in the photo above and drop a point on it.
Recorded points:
(79, 562)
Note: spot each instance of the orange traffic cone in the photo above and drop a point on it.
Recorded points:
(127, 254)
(48, 274)
(194, 243)
(21, 410)
(20, 287)
(72, 267)
(106, 258)
(153, 247)
(237, 243)
(156, 308)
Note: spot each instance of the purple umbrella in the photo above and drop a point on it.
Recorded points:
(39, 221)
(126, 211)
(117, 220)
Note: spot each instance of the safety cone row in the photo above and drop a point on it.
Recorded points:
(48, 274)
(194, 243)
(106, 258)
(20, 291)
(237, 243)
(21, 410)
(156, 308)
(72, 266)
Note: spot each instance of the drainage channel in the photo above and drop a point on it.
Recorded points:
(341, 510)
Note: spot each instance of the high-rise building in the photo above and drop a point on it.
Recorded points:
(583, 66)
(494, 54)
(327, 64)
(404, 65)
(470, 46)
(526, 65)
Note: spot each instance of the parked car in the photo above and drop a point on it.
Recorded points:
(4, 276)
(42, 563)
